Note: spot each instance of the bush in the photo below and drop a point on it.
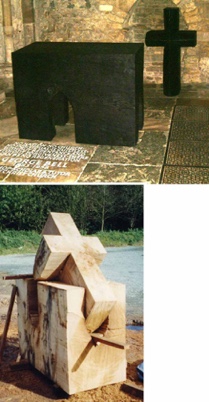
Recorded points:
(16, 241)
(117, 238)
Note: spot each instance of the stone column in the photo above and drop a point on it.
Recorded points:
(8, 30)
(2, 43)
(28, 21)
(17, 24)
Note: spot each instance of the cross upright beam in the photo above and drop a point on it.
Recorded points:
(172, 39)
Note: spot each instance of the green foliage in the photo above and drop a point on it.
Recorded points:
(13, 241)
(115, 238)
(93, 207)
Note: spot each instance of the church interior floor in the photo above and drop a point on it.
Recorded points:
(155, 158)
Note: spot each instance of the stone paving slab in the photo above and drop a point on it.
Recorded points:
(189, 131)
(187, 155)
(185, 175)
(149, 150)
(10, 125)
(165, 104)
(7, 108)
(195, 153)
(192, 113)
(26, 161)
(103, 173)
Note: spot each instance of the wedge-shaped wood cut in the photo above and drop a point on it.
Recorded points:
(80, 269)
(72, 259)
(60, 345)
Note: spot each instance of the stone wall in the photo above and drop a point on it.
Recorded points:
(16, 31)
(194, 15)
(80, 20)
(23, 21)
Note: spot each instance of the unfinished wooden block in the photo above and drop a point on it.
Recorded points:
(61, 224)
(51, 254)
(60, 345)
(27, 288)
(60, 238)
(94, 247)
(80, 269)
(72, 259)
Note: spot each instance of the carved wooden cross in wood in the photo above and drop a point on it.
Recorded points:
(172, 39)
(66, 255)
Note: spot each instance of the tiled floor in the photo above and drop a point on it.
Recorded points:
(142, 163)
(187, 156)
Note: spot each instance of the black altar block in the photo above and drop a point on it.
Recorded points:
(102, 81)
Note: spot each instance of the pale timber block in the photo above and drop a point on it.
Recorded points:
(61, 224)
(102, 365)
(60, 346)
(82, 365)
(52, 252)
(60, 238)
(61, 316)
(95, 248)
(116, 321)
(97, 366)
(24, 303)
(80, 269)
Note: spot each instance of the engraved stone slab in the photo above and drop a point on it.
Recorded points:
(39, 161)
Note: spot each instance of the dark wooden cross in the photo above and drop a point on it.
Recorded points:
(172, 40)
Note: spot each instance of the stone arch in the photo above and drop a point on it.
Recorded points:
(62, 113)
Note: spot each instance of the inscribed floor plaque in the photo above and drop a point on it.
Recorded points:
(25, 161)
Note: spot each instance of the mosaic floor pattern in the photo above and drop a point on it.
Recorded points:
(187, 154)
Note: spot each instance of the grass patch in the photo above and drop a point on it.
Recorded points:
(19, 242)
(115, 238)
(24, 242)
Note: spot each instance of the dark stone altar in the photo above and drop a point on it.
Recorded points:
(102, 81)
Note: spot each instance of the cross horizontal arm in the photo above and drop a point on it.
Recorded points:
(163, 38)
(156, 38)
